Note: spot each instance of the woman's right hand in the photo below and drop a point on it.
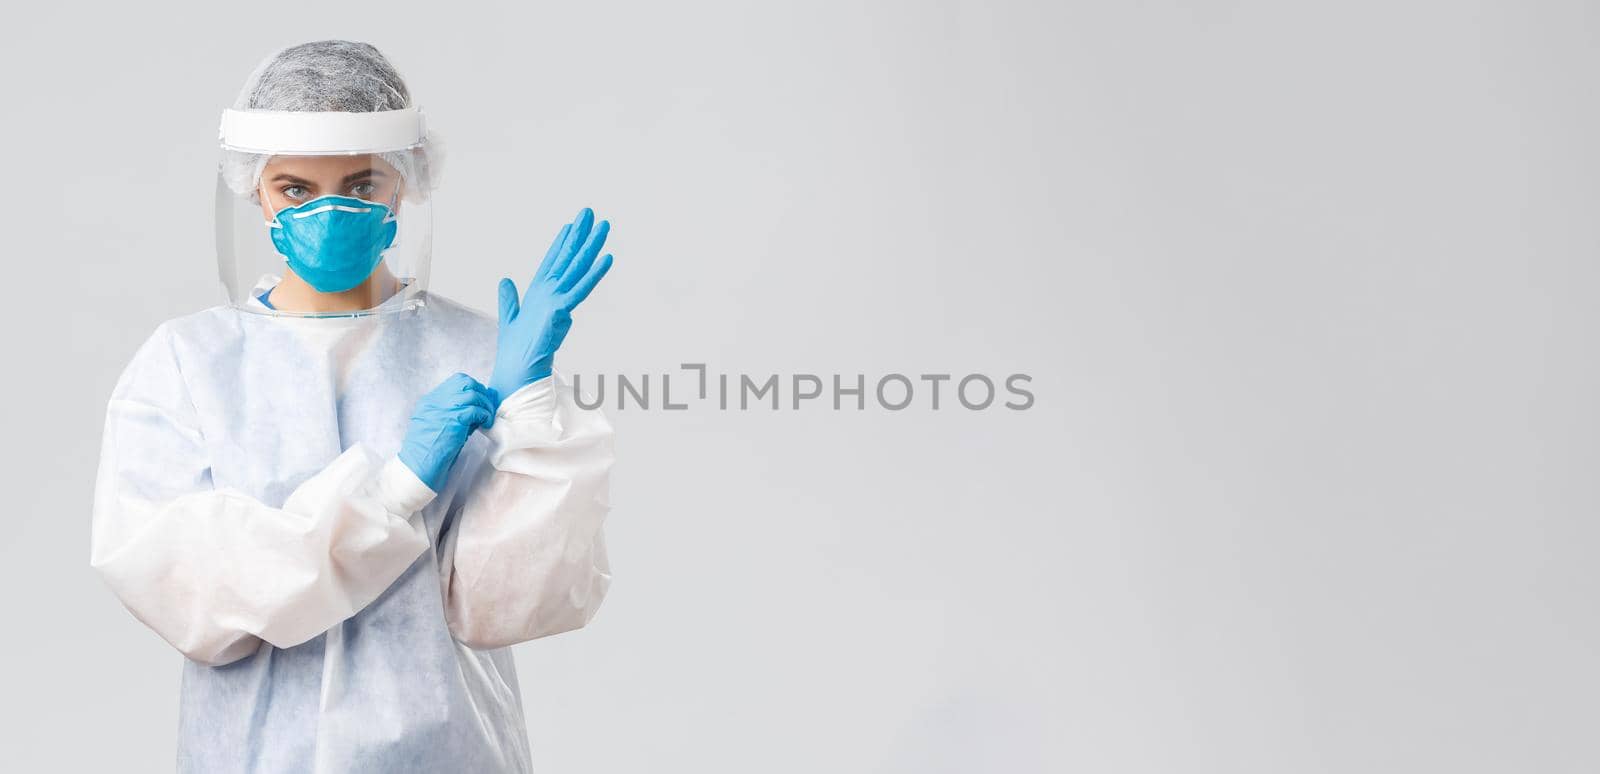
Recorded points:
(443, 420)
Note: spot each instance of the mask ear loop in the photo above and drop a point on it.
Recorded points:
(262, 192)
(394, 199)
(271, 224)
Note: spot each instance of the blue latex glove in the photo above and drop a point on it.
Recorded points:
(440, 426)
(531, 331)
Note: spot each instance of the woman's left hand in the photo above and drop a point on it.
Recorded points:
(532, 330)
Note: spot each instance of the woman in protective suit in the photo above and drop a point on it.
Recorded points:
(291, 491)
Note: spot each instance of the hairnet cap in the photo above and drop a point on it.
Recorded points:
(327, 76)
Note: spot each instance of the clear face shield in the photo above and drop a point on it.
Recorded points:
(323, 214)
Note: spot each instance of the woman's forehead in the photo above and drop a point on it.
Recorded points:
(313, 167)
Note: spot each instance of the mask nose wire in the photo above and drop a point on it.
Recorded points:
(394, 198)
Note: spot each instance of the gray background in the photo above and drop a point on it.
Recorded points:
(1305, 289)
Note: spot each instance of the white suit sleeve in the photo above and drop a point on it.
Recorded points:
(215, 572)
(526, 557)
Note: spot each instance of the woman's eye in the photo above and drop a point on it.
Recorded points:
(296, 192)
(363, 189)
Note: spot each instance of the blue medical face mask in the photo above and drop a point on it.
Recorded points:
(334, 242)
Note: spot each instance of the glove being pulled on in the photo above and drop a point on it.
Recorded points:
(531, 330)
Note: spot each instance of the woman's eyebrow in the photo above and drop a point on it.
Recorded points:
(365, 173)
(285, 177)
